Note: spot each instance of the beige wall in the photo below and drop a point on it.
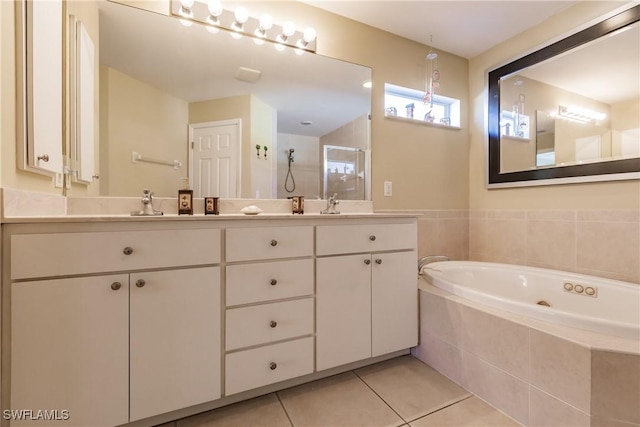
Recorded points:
(263, 133)
(625, 116)
(150, 122)
(610, 195)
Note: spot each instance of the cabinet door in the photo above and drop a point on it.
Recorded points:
(394, 300)
(343, 310)
(175, 340)
(69, 348)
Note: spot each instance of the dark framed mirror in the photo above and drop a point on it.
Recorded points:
(542, 91)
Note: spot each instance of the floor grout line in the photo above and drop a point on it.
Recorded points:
(284, 409)
(380, 397)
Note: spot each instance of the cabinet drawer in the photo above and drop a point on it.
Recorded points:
(245, 244)
(59, 254)
(343, 239)
(262, 324)
(267, 281)
(267, 365)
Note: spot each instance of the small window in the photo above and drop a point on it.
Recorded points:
(412, 104)
(514, 124)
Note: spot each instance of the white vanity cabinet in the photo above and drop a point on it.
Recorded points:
(366, 302)
(269, 306)
(147, 320)
(70, 345)
(115, 348)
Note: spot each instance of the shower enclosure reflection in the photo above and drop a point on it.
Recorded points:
(344, 172)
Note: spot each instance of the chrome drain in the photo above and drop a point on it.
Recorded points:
(544, 303)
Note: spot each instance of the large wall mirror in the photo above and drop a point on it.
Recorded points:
(569, 112)
(162, 83)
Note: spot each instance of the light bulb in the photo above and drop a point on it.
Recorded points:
(266, 22)
(215, 8)
(288, 29)
(309, 35)
(187, 4)
(241, 14)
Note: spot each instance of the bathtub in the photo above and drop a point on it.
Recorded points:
(571, 363)
(595, 304)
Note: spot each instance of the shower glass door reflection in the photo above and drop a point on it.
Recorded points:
(344, 172)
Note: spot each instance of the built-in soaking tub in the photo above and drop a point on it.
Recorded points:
(601, 305)
(546, 347)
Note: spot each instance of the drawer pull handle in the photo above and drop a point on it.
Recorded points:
(274, 242)
(116, 285)
(273, 324)
(273, 366)
(128, 250)
(378, 261)
(273, 282)
(372, 238)
(140, 283)
(367, 261)
(44, 158)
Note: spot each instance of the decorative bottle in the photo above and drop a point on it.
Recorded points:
(185, 199)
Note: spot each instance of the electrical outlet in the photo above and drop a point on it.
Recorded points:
(388, 189)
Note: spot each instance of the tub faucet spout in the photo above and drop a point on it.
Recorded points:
(429, 259)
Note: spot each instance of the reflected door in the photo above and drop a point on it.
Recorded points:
(215, 158)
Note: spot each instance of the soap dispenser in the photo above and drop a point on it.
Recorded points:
(185, 198)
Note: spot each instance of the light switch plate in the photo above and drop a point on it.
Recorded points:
(388, 189)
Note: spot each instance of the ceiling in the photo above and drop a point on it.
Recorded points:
(464, 28)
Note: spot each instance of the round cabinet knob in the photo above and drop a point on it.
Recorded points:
(273, 282)
(44, 157)
(128, 250)
(274, 243)
(273, 324)
(140, 283)
(273, 366)
(367, 261)
(372, 238)
(116, 285)
(378, 261)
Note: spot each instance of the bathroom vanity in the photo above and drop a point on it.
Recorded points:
(119, 320)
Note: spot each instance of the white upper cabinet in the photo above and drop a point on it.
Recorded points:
(42, 66)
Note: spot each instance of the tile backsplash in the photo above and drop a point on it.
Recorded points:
(603, 243)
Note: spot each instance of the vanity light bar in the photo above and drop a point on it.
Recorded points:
(240, 23)
(579, 114)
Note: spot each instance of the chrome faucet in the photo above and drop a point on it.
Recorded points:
(147, 205)
(429, 259)
(331, 205)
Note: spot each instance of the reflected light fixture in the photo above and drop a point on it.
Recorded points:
(239, 22)
(580, 114)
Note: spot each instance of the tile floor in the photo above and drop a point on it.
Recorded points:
(398, 392)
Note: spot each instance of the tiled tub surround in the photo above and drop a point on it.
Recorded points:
(539, 373)
(604, 243)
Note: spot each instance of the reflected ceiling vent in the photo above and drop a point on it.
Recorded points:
(248, 75)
